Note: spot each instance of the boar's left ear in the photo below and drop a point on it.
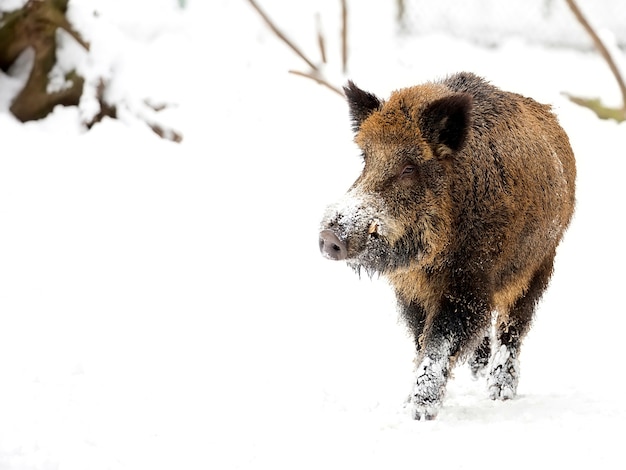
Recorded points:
(445, 122)
(362, 104)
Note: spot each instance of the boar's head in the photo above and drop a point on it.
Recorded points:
(398, 213)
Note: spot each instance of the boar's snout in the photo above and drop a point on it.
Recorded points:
(331, 246)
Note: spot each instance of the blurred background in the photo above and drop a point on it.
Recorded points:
(489, 22)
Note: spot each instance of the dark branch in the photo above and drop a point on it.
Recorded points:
(313, 76)
(321, 42)
(281, 35)
(344, 36)
(601, 48)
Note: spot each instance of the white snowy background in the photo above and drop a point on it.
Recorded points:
(165, 306)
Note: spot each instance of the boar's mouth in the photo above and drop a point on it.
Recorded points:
(365, 246)
(361, 247)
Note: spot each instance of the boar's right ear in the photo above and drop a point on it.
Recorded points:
(445, 122)
(362, 104)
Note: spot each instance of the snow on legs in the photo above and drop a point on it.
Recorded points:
(504, 375)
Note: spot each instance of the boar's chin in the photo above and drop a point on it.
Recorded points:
(371, 267)
(378, 258)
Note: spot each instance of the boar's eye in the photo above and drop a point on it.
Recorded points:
(407, 171)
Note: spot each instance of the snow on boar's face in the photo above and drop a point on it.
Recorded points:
(398, 212)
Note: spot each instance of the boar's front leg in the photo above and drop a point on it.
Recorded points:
(431, 378)
(414, 316)
(447, 334)
(427, 390)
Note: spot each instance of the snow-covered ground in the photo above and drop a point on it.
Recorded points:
(165, 305)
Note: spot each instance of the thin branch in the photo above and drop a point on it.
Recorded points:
(59, 19)
(77, 37)
(320, 37)
(401, 14)
(315, 73)
(319, 80)
(595, 105)
(281, 35)
(601, 48)
(344, 36)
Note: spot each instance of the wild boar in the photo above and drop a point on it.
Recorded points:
(465, 193)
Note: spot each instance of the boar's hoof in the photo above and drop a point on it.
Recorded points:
(424, 413)
(428, 391)
(504, 375)
(331, 246)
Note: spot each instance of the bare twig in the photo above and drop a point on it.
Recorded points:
(601, 110)
(601, 48)
(77, 37)
(314, 73)
(56, 17)
(166, 133)
(320, 38)
(320, 80)
(401, 14)
(344, 36)
(281, 35)
(156, 107)
(62, 22)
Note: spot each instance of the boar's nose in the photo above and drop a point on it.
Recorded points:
(331, 246)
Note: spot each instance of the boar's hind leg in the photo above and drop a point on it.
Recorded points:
(504, 375)
(479, 359)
